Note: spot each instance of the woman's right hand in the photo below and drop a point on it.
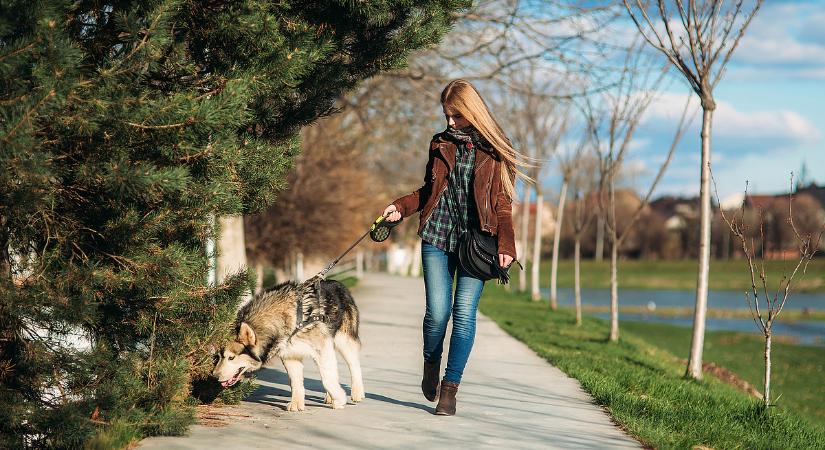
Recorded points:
(392, 214)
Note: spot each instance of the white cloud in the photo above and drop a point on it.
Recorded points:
(763, 50)
(781, 124)
(729, 122)
(785, 34)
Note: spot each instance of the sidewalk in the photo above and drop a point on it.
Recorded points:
(509, 397)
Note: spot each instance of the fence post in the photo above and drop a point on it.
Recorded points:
(359, 265)
(299, 267)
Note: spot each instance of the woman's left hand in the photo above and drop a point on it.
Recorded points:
(504, 260)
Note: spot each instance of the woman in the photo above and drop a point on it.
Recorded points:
(469, 182)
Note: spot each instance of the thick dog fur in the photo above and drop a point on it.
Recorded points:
(263, 329)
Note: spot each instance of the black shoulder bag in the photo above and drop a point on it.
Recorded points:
(478, 253)
(478, 256)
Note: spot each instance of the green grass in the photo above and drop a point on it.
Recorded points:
(642, 386)
(798, 371)
(638, 274)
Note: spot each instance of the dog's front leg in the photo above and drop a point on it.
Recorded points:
(295, 370)
(328, 367)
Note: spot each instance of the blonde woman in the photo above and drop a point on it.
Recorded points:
(469, 182)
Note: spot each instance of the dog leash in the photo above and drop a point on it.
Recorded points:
(379, 232)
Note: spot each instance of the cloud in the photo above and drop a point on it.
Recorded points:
(760, 145)
(786, 36)
(755, 129)
(787, 49)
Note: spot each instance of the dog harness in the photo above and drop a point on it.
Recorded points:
(310, 307)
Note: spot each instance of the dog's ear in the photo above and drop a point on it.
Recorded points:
(245, 335)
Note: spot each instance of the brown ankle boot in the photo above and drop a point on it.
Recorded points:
(446, 399)
(429, 382)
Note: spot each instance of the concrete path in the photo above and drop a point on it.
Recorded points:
(509, 397)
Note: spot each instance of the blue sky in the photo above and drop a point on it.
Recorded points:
(770, 116)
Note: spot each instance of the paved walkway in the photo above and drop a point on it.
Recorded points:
(509, 397)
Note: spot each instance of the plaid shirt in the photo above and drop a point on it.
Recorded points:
(443, 227)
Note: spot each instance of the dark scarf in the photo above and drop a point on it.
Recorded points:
(466, 135)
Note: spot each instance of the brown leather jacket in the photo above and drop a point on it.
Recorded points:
(494, 206)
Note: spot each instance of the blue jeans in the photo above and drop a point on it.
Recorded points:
(440, 268)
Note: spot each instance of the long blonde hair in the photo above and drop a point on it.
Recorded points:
(461, 97)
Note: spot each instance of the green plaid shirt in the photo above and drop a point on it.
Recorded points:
(442, 228)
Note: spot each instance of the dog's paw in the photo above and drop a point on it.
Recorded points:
(357, 394)
(295, 406)
(339, 405)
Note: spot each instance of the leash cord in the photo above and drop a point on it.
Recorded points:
(323, 273)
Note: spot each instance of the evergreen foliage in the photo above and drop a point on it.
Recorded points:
(124, 126)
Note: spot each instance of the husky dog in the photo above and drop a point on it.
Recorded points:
(292, 321)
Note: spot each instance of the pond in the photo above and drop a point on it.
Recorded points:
(805, 331)
(678, 298)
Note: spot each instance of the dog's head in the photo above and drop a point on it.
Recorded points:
(237, 357)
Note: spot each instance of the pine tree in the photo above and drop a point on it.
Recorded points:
(124, 126)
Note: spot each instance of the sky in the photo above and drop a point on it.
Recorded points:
(770, 116)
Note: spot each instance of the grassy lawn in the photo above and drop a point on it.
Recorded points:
(636, 274)
(642, 385)
(797, 375)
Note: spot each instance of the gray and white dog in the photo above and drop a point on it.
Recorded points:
(292, 321)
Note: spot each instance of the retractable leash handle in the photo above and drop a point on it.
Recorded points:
(380, 229)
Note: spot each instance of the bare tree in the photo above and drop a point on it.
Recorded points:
(598, 254)
(699, 44)
(525, 231)
(773, 302)
(612, 128)
(585, 168)
(498, 38)
(535, 292)
(325, 187)
(538, 122)
(567, 168)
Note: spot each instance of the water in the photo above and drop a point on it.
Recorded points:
(686, 299)
(805, 331)
(809, 332)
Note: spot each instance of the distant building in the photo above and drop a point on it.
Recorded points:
(817, 192)
(676, 211)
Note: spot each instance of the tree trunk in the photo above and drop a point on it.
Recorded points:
(534, 273)
(554, 267)
(359, 264)
(577, 278)
(299, 267)
(614, 293)
(614, 262)
(599, 255)
(694, 368)
(415, 263)
(525, 239)
(259, 278)
(767, 398)
(231, 247)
